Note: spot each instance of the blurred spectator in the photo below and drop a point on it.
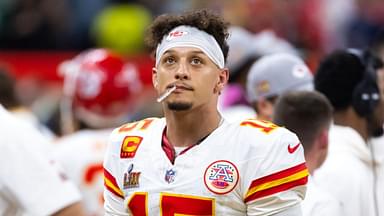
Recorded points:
(335, 19)
(35, 24)
(296, 21)
(7, 90)
(168, 6)
(377, 142)
(99, 91)
(309, 115)
(82, 16)
(312, 26)
(4, 8)
(9, 99)
(236, 12)
(232, 102)
(350, 79)
(366, 23)
(244, 49)
(377, 45)
(272, 75)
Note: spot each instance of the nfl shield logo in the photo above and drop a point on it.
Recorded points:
(170, 176)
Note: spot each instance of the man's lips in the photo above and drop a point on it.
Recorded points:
(166, 93)
(181, 87)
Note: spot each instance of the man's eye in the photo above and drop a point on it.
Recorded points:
(169, 60)
(196, 61)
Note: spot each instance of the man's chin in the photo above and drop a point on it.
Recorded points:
(179, 106)
(378, 132)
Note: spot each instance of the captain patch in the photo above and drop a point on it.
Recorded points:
(130, 146)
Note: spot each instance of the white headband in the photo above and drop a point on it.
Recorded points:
(187, 36)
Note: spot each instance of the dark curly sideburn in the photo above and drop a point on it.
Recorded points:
(204, 20)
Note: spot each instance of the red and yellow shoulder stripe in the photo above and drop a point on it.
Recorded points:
(277, 182)
(111, 184)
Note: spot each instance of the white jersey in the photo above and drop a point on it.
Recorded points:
(249, 167)
(28, 116)
(81, 154)
(238, 112)
(377, 145)
(318, 202)
(29, 183)
(347, 172)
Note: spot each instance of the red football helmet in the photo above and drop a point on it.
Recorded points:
(99, 86)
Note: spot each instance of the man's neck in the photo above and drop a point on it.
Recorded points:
(187, 128)
(350, 118)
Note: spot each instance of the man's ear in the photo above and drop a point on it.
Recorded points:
(264, 108)
(222, 80)
(154, 78)
(323, 138)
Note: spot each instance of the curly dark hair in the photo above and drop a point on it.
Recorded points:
(204, 20)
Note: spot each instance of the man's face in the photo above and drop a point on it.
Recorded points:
(198, 80)
(265, 107)
(379, 110)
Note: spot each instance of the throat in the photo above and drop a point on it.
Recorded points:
(171, 151)
(178, 150)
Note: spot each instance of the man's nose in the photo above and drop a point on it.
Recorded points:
(182, 72)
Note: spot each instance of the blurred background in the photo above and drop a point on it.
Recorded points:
(37, 35)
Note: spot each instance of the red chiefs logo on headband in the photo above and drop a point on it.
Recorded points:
(176, 34)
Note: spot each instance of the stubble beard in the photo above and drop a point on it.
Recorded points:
(179, 106)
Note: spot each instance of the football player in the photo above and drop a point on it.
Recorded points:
(29, 183)
(98, 89)
(309, 115)
(192, 161)
(272, 75)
